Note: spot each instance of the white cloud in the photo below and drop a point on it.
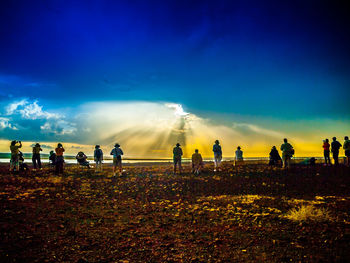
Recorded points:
(256, 129)
(5, 123)
(59, 127)
(31, 111)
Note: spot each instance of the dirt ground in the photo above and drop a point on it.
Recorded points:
(150, 215)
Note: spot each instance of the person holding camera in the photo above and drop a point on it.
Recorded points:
(14, 148)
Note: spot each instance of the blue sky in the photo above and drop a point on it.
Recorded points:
(258, 62)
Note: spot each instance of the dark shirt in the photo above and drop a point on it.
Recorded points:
(274, 155)
(335, 146)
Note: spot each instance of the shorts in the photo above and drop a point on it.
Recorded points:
(117, 160)
(347, 153)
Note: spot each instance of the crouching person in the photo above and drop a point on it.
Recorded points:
(197, 162)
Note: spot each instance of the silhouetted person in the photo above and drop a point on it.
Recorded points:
(275, 158)
(59, 158)
(238, 156)
(117, 158)
(177, 156)
(82, 159)
(335, 150)
(14, 148)
(346, 147)
(287, 153)
(326, 151)
(22, 165)
(217, 155)
(197, 162)
(98, 157)
(52, 158)
(36, 156)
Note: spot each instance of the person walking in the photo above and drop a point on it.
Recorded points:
(335, 150)
(177, 155)
(14, 161)
(117, 158)
(36, 156)
(59, 159)
(346, 147)
(217, 155)
(197, 162)
(287, 153)
(326, 152)
(98, 157)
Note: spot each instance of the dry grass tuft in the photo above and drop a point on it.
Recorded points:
(308, 213)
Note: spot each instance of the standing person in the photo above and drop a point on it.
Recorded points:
(197, 162)
(238, 156)
(36, 156)
(98, 157)
(335, 150)
(117, 158)
(275, 158)
(326, 151)
(177, 154)
(59, 158)
(14, 148)
(287, 153)
(346, 147)
(217, 155)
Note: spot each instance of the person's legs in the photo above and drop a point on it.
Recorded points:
(175, 162)
(335, 157)
(34, 160)
(39, 161)
(180, 167)
(285, 161)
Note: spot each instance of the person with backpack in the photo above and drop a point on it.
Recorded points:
(59, 159)
(217, 155)
(177, 155)
(197, 162)
(326, 151)
(98, 157)
(36, 156)
(346, 147)
(14, 161)
(117, 158)
(287, 153)
(238, 156)
(335, 150)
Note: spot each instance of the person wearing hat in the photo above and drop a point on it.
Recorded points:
(177, 152)
(98, 157)
(217, 155)
(36, 156)
(117, 158)
(14, 148)
(239, 156)
(59, 158)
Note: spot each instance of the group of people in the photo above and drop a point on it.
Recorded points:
(56, 157)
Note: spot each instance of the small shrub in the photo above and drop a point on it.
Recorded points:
(308, 213)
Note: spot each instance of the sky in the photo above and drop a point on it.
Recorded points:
(148, 74)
